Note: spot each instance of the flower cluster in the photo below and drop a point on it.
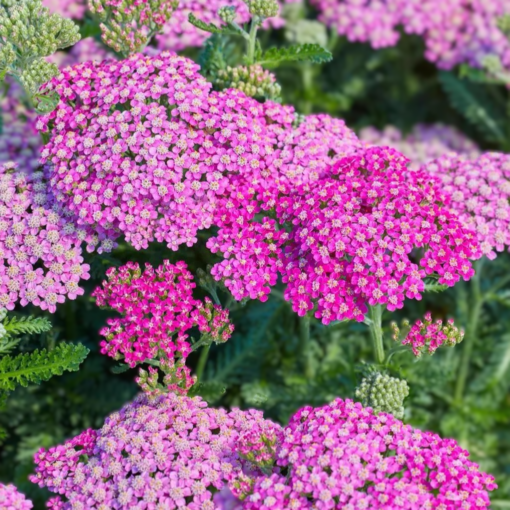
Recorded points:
(83, 51)
(254, 81)
(11, 499)
(383, 393)
(163, 453)
(40, 255)
(158, 310)
(424, 143)
(68, 8)
(356, 233)
(343, 456)
(178, 33)
(127, 26)
(19, 140)
(454, 32)
(427, 336)
(480, 189)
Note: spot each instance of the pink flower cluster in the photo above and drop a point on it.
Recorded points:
(454, 32)
(83, 51)
(19, 140)
(68, 8)
(162, 454)
(11, 499)
(343, 456)
(480, 191)
(40, 249)
(427, 336)
(179, 34)
(158, 310)
(424, 143)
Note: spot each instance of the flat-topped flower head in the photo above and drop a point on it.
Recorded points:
(479, 189)
(164, 453)
(343, 456)
(427, 335)
(368, 234)
(158, 310)
(424, 143)
(40, 248)
(11, 499)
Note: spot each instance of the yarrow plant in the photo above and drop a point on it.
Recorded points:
(343, 456)
(427, 335)
(40, 248)
(11, 499)
(479, 190)
(168, 452)
(158, 310)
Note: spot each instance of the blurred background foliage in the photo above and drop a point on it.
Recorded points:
(268, 363)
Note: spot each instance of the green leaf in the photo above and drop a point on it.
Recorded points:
(38, 366)
(202, 25)
(46, 102)
(26, 326)
(120, 369)
(473, 102)
(210, 391)
(295, 53)
(435, 287)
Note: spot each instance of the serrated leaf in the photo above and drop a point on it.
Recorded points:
(295, 53)
(475, 105)
(46, 103)
(26, 326)
(202, 25)
(38, 366)
(210, 391)
(435, 287)
(120, 369)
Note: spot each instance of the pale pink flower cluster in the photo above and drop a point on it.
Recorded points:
(454, 32)
(19, 140)
(179, 34)
(158, 310)
(424, 143)
(68, 8)
(427, 335)
(11, 499)
(480, 192)
(343, 456)
(40, 248)
(162, 454)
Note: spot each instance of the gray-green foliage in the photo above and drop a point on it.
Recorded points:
(28, 33)
(383, 393)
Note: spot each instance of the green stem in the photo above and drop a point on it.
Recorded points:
(202, 361)
(375, 325)
(471, 333)
(252, 39)
(304, 341)
(307, 73)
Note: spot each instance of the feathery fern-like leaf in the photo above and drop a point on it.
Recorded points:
(40, 365)
(26, 326)
(296, 53)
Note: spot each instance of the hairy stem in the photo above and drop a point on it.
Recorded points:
(471, 333)
(202, 361)
(252, 40)
(375, 325)
(304, 341)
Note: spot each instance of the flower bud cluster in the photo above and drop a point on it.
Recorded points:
(127, 26)
(28, 32)
(426, 335)
(40, 248)
(11, 499)
(383, 393)
(171, 451)
(263, 9)
(158, 310)
(254, 81)
(480, 192)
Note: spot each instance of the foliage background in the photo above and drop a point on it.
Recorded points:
(265, 363)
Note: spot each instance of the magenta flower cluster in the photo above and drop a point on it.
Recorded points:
(162, 454)
(173, 451)
(11, 499)
(40, 248)
(68, 8)
(427, 335)
(424, 143)
(179, 34)
(454, 32)
(19, 140)
(480, 191)
(158, 310)
(343, 456)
